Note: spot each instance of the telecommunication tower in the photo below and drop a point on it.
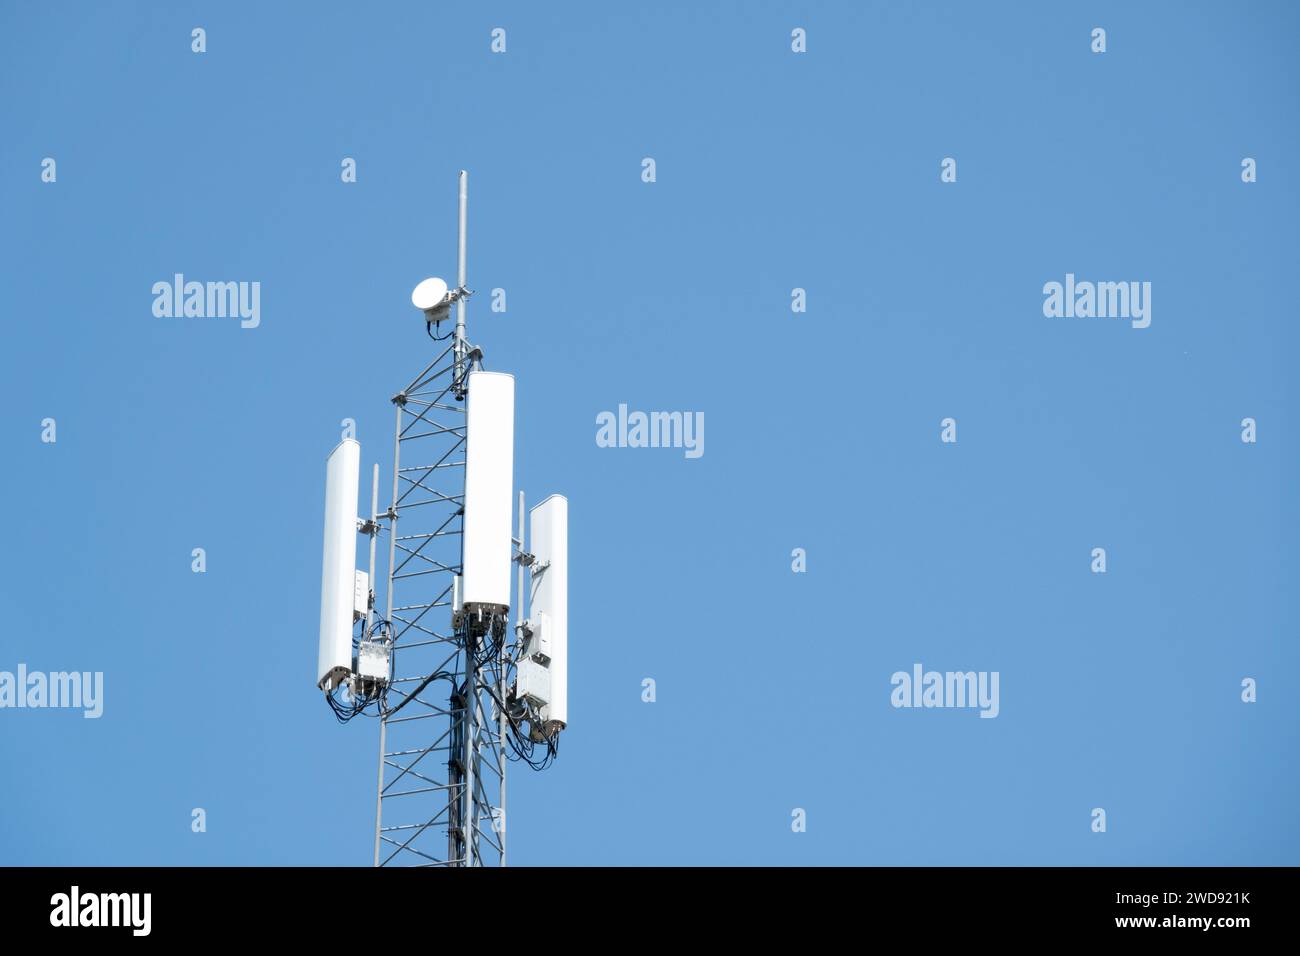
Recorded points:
(458, 692)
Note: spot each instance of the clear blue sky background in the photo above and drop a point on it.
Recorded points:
(775, 170)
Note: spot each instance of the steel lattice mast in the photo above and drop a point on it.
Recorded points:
(442, 764)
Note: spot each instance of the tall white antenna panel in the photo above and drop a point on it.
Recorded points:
(489, 476)
(337, 579)
(548, 606)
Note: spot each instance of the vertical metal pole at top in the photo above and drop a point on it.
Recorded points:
(470, 701)
(388, 615)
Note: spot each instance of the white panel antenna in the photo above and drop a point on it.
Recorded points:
(338, 581)
(548, 613)
(489, 475)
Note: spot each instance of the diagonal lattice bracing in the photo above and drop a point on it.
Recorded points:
(440, 741)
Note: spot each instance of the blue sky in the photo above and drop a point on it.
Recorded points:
(774, 170)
